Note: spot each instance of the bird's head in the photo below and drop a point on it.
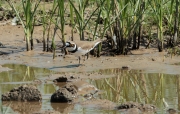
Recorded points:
(69, 44)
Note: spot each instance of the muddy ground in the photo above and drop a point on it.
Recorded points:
(13, 50)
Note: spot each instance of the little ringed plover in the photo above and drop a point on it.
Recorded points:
(82, 47)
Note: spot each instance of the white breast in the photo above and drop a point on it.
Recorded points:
(71, 48)
(80, 52)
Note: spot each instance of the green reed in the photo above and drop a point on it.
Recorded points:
(29, 11)
(61, 14)
(49, 23)
(44, 21)
(72, 22)
(82, 19)
(124, 20)
(176, 22)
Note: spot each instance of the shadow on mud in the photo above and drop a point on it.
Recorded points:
(67, 66)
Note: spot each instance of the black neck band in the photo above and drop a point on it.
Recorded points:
(74, 50)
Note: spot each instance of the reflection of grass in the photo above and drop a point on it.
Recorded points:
(22, 74)
(138, 87)
(48, 88)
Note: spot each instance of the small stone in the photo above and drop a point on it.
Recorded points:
(125, 67)
(153, 59)
(172, 111)
(60, 79)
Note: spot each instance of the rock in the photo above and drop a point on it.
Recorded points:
(72, 77)
(23, 93)
(128, 105)
(60, 79)
(172, 111)
(125, 67)
(85, 89)
(64, 94)
(145, 108)
(153, 59)
(70, 91)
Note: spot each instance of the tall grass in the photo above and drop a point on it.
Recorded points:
(44, 21)
(29, 9)
(50, 22)
(157, 6)
(123, 25)
(72, 23)
(82, 19)
(124, 20)
(176, 22)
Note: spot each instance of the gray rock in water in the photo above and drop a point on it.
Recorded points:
(23, 93)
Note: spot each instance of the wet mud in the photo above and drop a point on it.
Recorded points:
(23, 93)
(64, 94)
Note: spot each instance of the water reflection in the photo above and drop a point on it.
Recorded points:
(22, 74)
(21, 107)
(63, 108)
(159, 89)
(162, 90)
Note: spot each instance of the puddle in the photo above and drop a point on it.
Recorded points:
(158, 89)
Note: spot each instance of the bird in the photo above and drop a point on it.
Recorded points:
(82, 47)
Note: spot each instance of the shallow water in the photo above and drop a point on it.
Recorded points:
(158, 89)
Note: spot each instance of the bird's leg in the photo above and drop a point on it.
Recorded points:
(79, 60)
(84, 57)
(87, 55)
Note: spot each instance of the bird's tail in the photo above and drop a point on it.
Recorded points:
(97, 41)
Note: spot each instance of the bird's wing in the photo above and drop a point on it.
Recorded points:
(88, 45)
(96, 43)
